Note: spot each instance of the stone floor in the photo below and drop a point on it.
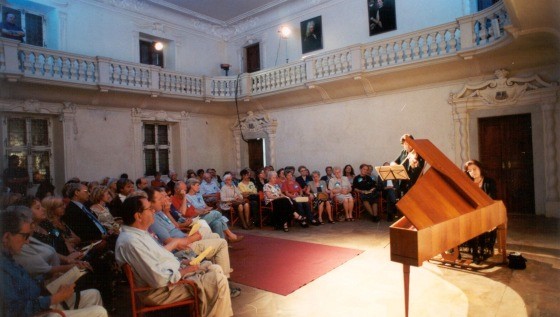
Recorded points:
(371, 285)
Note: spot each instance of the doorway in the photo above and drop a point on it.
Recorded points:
(255, 154)
(253, 58)
(506, 151)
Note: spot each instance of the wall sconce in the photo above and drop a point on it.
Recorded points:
(225, 67)
(158, 46)
(285, 31)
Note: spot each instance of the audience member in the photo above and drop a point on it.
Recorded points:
(366, 187)
(141, 183)
(99, 199)
(250, 193)
(214, 218)
(172, 181)
(292, 190)
(60, 236)
(157, 182)
(348, 171)
(156, 267)
(303, 177)
(20, 294)
(260, 180)
(281, 205)
(46, 188)
(341, 192)
(318, 191)
(231, 197)
(329, 174)
(124, 188)
(209, 189)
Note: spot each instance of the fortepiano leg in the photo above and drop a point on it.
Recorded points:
(406, 275)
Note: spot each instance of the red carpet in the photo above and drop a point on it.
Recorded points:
(282, 266)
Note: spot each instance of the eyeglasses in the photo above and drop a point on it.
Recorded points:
(25, 235)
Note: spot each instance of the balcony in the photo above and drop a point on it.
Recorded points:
(364, 69)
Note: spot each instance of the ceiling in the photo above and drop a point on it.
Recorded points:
(220, 11)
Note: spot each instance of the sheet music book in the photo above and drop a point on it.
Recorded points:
(88, 248)
(392, 172)
(194, 228)
(70, 277)
(201, 256)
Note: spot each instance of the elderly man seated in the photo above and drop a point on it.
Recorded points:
(209, 190)
(156, 267)
(20, 294)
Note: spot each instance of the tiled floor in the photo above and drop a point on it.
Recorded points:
(371, 285)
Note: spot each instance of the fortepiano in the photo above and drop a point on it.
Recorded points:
(442, 210)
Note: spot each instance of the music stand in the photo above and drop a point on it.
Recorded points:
(392, 172)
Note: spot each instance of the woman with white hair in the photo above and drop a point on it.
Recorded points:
(281, 205)
(341, 190)
(231, 196)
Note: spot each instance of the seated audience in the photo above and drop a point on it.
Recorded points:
(250, 193)
(341, 190)
(292, 190)
(303, 177)
(260, 180)
(141, 183)
(173, 179)
(20, 294)
(348, 172)
(157, 182)
(124, 188)
(318, 191)
(61, 237)
(156, 267)
(214, 218)
(209, 189)
(231, 197)
(282, 205)
(366, 187)
(99, 199)
(328, 174)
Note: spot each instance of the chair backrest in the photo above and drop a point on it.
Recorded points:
(137, 307)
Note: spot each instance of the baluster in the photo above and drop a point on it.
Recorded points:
(26, 63)
(40, 65)
(407, 51)
(390, 54)
(47, 67)
(382, 56)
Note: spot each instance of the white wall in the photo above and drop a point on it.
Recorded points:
(363, 131)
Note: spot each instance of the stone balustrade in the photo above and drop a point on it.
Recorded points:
(463, 37)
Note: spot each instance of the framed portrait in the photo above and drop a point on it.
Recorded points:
(382, 16)
(311, 35)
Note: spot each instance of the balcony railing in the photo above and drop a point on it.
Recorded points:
(463, 37)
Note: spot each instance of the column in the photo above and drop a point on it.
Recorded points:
(70, 133)
(550, 131)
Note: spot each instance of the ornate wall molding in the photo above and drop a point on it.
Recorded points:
(254, 126)
(159, 115)
(31, 106)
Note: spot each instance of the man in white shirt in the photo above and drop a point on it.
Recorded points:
(157, 268)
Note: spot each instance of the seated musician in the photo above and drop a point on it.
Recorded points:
(412, 162)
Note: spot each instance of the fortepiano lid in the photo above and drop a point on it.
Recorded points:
(444, 192)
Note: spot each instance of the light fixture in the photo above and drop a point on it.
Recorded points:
(285, 31)
(158, 46)
(225, 67)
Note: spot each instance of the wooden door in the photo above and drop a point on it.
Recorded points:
(506, 152)
(255, 154)
(253, 58)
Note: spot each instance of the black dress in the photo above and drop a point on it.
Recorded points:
(482, 247)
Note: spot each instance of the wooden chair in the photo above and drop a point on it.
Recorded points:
(262, 208)
(51, 311)
(138, 309)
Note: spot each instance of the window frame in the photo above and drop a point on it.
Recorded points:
(156, 146)
(4, 10)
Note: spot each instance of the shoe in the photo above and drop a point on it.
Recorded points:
(237, 239)
(332, 221)
(375, 219)
(321, 222)
(286, 229)
(315, 222)
(304, 224)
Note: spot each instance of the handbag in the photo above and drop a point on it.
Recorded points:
(322, 196)
(516, 261)
(301, 199)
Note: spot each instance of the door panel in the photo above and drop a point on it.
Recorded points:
(255, 153)
(506, 151)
